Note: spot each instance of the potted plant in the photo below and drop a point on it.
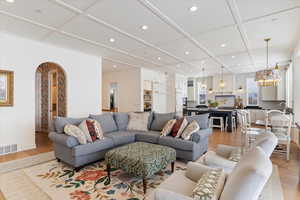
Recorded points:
(213, 104)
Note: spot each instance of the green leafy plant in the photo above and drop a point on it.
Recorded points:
(213, 104)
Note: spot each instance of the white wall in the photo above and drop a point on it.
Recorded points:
(129, 89)
(23, 56)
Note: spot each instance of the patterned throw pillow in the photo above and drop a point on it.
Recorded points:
(190, 129)
(168, 127)
(92, 130)
(74, 131)
(182, 126)
(210, 185)
(176, 127)
(138, 121)
(235, 155)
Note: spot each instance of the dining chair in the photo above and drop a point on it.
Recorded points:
(280, 124)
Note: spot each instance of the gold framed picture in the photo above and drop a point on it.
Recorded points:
(6, 88)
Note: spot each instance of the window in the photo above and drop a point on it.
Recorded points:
(252, 92)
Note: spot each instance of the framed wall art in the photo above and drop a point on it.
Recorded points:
(6, 88)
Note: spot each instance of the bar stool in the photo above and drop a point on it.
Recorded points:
(233, 123)
(220, 119)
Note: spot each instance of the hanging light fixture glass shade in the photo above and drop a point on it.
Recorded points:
(268, 77)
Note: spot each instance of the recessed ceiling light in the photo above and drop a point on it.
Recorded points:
(223, 45)
(193, 8)
(232, 56)
(10, 1)
(114, 66)
(144, 27)
(158, 58)
(112, 40)
(238, 64)
(187, 53)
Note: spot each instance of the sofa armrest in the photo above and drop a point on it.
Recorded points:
(213, 159)
(162, 194)
(225, 150)
(201, 134)
(63, 139)
(196, 170)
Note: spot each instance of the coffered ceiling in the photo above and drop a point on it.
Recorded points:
(162, 34)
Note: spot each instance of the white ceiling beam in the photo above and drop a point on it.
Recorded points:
(116, 29)
(71, 35)
(238, 20)
(156, 11)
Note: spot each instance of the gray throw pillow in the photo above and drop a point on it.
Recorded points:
(106, 121)
(61, 122)
(121, 119)
(160, 119)
(202, 120)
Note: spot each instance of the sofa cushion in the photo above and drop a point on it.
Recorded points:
(176, 143)
(147, 136)
(249, 177)
(202, 120)
(98, 145)
(160, 119)
(106, 121)
(121, 137)
(61, 122)
(121, 119)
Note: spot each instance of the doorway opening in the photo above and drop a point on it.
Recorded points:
(50, 97)
(113, 97)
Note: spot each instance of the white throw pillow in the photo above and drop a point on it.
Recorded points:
(190, 129)
(210, 185)
(168, 127)
(182, 127)
(74, 131)
(138, 121)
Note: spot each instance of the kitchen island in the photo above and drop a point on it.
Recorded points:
(225, 113)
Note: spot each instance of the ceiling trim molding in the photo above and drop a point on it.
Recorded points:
(270, 14)
(78, 37)
(234, 10)
(156, 11)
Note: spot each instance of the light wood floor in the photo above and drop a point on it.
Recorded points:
(288, 170)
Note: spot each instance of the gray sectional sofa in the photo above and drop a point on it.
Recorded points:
(114, 125)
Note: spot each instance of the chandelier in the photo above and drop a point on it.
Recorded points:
(268, 76)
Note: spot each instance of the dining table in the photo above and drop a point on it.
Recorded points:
(226, 113)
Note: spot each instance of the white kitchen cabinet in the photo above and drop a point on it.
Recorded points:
(192, 90)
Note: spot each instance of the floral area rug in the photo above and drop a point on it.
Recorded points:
(59, 181)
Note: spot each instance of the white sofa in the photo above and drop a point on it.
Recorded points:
(246, 181)
(220, 158)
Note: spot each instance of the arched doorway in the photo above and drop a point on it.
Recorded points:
(50, 90)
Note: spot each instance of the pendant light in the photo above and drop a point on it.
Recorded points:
(203, 85)
(269, 76)
(222, 82)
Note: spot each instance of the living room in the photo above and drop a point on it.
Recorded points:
(149, 99)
